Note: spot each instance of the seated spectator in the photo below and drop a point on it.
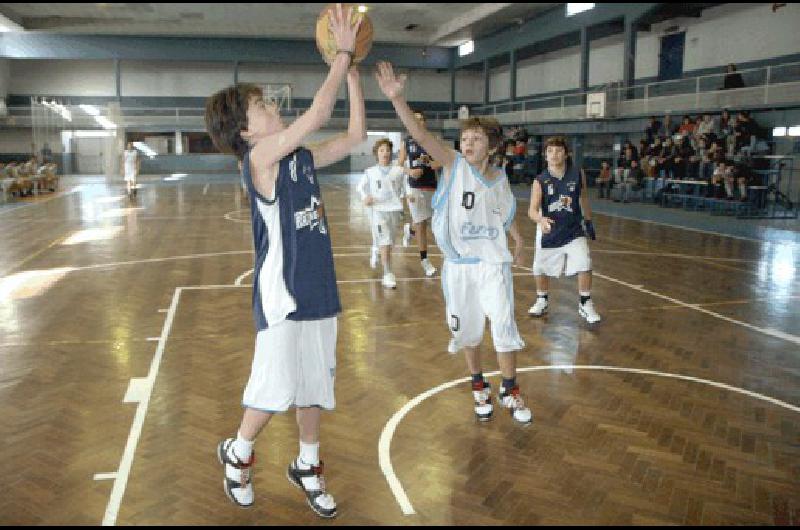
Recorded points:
(733, 79)
(653, 130)
(706, 126)
(604, 180)
(520, 148)
(632, 179)
(687, 127)
(743, 133)
(629, 145)
(717, 187)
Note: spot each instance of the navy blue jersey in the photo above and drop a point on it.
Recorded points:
(307, 255)
(560, 203)
(414, 152)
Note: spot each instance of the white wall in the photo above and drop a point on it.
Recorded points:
(549, 72)
(605, 60)
(17, 141)
(499, 83)
(731, 33)
(469, 86)
(62, 78)
(173, 78)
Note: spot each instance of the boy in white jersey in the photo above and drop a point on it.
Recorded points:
(295, 298)
(473, 208)
(130, 161)
(381, 189)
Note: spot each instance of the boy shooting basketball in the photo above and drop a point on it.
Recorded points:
(295, 298)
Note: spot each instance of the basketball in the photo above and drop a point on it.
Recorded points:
(326, 43)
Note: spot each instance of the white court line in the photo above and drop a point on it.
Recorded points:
(105, 476)
(244, 275)
(205, 188)
(766, 331)
(384, 445)
(145, 391)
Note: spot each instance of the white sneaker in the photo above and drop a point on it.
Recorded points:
(482, 394)
(238, 482)
(539, 308)
(513, 401)
(429, 269)
(587, 311)
(373, 258)
(406, 234)
(312, 482)
(389, 281)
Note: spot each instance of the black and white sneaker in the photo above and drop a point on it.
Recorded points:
(312, 483)
(482, 394)
(238, 476)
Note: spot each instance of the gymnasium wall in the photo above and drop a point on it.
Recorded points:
(732, 33)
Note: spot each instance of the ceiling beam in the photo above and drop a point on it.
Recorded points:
(467, 19)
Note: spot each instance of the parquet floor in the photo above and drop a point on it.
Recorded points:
(156, 302)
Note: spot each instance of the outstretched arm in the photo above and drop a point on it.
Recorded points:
(289, 139)
(392, 87)
(333, 150)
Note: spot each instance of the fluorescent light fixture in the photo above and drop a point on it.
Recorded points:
(6, 24)
(105, 122)
(779, 131)
(574, 9)
(794, 131)
(144, 148)
(93, 134)
(466, 48)
(90, 110)
(362, 9)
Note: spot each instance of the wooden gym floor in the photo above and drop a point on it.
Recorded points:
(124, 358)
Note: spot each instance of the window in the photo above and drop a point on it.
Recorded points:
(574, 9)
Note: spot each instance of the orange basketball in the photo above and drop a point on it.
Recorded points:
(326, 43)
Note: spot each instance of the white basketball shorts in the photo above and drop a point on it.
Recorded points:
(419, 204)
(570, 259)
(294, 366)
(473, 292)
(384, 227)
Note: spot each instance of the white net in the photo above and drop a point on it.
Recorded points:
(280, 93)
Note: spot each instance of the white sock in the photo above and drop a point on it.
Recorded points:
(243, 448)
(309, 455)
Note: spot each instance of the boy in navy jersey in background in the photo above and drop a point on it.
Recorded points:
(560, 212)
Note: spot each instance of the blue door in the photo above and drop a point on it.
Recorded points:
(670, 63)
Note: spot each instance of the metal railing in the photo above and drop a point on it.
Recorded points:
(777, 84)
(765, 85)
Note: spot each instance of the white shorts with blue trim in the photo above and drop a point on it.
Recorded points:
(569, 260)
(473, 292)
(294, 366)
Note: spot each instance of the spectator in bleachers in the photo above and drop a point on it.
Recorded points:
(733, 79)
(604, 180)
(632, 178)
(743, 131)
(706, 126)
(687, 127)
(654, 130)
(717, 187)
(634, 152)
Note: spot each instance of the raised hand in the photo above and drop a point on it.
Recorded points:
(392, 86)
(344, 31)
